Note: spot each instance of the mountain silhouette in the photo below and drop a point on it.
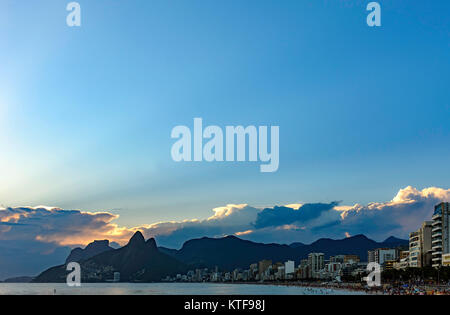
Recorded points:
(393, 240)
(232, 252)
(296, 244)
(229, 252)
(143, 261)
(138, 261)
(96, 247)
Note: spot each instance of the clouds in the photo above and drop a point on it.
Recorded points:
(35, 238)
(62, 227)
(299, 222)
(279, 216)
(403, 214)
(44, 231)
(308, 222)
(229, 219)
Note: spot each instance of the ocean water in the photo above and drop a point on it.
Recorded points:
(163, 289)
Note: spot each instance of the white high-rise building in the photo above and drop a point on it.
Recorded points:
(440, 238)
(289, 267)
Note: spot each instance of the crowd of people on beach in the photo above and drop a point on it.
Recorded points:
(326, 288)
(416, 290)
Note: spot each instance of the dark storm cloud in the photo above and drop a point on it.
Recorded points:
(283, 215)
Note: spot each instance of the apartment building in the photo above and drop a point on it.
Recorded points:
(420, 246)
(446, 260)
(440, 238)
(382, 255)
(263, 266)
(316, 262)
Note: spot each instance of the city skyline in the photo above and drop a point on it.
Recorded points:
(86, 115)
(34, 238)
(223, 260)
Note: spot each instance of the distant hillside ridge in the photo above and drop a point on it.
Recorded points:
(138, 261)
(143, 261)
(93, 249)
(232, 252)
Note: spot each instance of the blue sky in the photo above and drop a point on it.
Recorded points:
(86, 113)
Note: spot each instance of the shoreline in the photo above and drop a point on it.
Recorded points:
(386, 289)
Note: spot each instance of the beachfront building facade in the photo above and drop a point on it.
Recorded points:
(345, 259)
(263, 267)
(382, 255)
(316, 262)
(446, 260)
(420, 246)
(289, 267)
(440, 239)
(351, 259)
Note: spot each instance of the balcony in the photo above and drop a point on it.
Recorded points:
(436, 259)
(437, 234)
(435, 265)
(437, 228)
(438, 222)
(437, 241)
(436, 248)
(436, 216)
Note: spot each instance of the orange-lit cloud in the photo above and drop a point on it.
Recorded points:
(299, 222)
(244, 233)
